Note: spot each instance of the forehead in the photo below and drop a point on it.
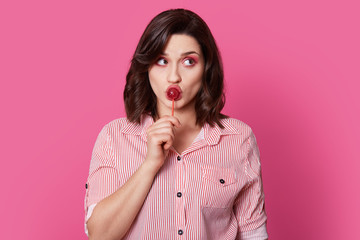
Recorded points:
(178, 44)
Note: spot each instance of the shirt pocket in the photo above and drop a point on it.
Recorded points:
(218, 187)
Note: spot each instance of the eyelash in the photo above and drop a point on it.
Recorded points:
(192, 61)
(160, 59)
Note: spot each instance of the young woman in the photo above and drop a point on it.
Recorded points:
(189, 174)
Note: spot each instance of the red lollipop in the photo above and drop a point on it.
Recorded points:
(173, 94)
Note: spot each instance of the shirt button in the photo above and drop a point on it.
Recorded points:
(86, 186)
(179, 194)
(180, 232)
(178, 158)
(222, 181)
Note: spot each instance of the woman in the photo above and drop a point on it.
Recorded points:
(193, 175)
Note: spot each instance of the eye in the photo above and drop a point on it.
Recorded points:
(161, 62)
(189, 62)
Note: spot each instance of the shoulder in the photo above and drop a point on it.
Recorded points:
(124, 126)
(120, 125)
(236, 126)
(111, 129)
(246, 135)
(117, 124)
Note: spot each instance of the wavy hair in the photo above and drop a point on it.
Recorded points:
(139, 97)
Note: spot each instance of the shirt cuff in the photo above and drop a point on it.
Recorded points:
(88, 215)
(256, 234)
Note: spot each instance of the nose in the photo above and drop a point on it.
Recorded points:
(173, 74)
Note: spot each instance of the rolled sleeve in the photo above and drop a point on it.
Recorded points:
(103, 177)
(257, 234)
(249, 207)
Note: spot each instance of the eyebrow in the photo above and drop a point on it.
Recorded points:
(183, 54)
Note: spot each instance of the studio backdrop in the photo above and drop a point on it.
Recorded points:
(291, 72)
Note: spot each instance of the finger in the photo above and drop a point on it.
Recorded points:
(174, 120)
(162, 124)
(168, 143)
(164, 139)
(161, 132)
(162, 128)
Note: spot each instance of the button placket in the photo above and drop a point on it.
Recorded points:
(180, 185)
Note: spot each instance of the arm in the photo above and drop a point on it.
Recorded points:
(249, 207)
(112, 217)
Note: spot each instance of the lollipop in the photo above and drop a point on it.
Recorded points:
(173, 94)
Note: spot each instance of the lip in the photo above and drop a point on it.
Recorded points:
(177, 88)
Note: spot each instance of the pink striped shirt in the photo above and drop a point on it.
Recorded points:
(213, 190)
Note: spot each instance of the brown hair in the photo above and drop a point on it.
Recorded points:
(139, 97)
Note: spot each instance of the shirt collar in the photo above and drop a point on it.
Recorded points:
(134, 128)
(211, 134)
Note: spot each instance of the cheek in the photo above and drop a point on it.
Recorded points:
(156, 82)
(195, 78)
(153, 77)
(151, 74)
(194, 85)
(157, 74)
(153, 83)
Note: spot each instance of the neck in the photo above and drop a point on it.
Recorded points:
(188, 130)
(187, 120)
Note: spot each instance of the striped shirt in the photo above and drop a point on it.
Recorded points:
(212, 190)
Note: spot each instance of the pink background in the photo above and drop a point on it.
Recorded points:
(292, 74)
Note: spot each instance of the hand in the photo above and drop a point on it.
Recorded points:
(160, 137)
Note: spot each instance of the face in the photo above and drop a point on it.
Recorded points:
(181, 65)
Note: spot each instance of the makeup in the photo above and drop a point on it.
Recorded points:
(190, 61)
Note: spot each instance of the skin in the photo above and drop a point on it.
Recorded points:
(182, 64)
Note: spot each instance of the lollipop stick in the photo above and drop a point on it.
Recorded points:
(172, 109)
